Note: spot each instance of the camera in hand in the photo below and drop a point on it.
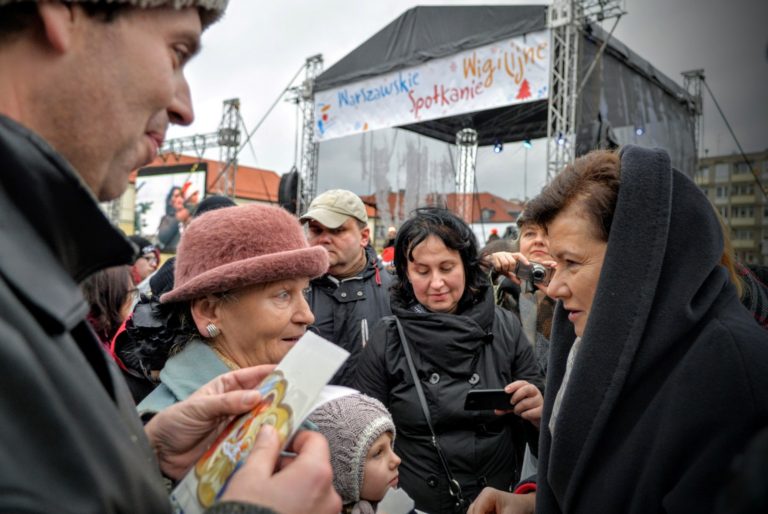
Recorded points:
(533, 273)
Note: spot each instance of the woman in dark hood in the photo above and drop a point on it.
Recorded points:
(656, 375)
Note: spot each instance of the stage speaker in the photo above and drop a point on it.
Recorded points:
(287, 192)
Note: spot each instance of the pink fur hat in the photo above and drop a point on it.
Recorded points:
(227, 249)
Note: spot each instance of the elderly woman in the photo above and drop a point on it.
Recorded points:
(657, 374)
(458, 340)
(238, 289)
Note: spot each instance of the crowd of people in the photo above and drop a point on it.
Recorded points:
(628, 346)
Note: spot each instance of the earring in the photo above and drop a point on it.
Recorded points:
(213, 330)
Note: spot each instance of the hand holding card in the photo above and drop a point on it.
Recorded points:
(288, 395)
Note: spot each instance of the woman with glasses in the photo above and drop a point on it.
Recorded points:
(147, 262)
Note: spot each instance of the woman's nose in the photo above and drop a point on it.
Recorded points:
(436, 282)
(303, 314)
(556, 288)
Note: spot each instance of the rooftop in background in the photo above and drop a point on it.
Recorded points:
(486, 207)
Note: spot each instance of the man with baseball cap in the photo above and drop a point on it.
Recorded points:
(354, 294)
(87, 91)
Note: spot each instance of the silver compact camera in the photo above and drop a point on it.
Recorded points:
(533, 273)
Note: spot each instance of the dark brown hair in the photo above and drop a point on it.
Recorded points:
(593, 180)
(106, 292)
(455, 234)
(16, 18)
(524, 220)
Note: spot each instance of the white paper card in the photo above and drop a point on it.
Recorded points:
(289, 393)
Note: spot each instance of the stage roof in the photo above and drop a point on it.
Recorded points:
(424, 33)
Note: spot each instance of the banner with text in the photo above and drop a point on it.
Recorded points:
(506, 72)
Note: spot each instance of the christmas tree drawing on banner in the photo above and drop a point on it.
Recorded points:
(525, 90)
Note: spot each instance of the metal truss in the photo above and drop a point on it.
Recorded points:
(226, 138)
(466, 143)
(304, 97)
(229, 146)
(565, 19)
(692, 82)
(599, 10)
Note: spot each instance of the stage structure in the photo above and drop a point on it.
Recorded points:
(565, 20)
(466, 142)
(692, 82)
(227, 138)
(511, 73)
(303, 97)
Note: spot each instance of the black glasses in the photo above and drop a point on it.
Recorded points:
(151, 259)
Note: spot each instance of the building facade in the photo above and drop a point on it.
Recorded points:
(739, 195)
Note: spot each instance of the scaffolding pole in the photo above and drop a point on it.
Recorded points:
(304, 96)
(466, 143)
(227, 138)
(561, 116)
(565, 19)
(229, 145)
(692, 81)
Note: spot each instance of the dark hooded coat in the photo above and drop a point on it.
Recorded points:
(670, 381)
(482, 347)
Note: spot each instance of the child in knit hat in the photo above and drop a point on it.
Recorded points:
(361, 436)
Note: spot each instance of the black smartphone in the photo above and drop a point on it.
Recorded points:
(488, 399)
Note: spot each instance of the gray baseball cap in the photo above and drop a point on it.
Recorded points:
(333, 208)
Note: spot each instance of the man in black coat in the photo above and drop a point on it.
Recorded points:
(87, 91)
(354, 295)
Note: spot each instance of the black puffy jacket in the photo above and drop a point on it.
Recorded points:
(481, 348)
(346, 310)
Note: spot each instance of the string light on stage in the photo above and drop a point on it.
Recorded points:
(498, 146)
(560, 139)
(527, 144)
(639, 130)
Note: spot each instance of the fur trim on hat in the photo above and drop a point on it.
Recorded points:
(210, 10)
(351, 424)
(236, 247)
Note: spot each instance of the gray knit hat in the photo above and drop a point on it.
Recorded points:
(210, 10)
(351, 424)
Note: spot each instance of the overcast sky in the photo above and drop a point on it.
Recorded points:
(259, 46)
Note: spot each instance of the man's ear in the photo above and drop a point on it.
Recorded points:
(58, 22)
(366, 236)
